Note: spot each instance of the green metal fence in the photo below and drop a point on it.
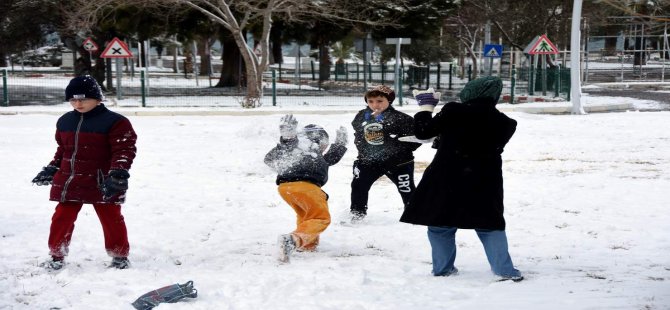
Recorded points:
(346, 84)
(549, 82)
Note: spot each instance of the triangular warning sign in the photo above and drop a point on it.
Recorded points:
(543, 46)
(492, 53)
(116, 49)
(89, 45)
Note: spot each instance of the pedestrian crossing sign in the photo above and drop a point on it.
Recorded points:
(493, 50)
(542, 46)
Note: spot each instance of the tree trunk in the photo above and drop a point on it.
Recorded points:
(253, 72)
(204, 53)
(232, 69)
(277, 56)
(640, 56)
(276, 42)
(175, 57)
(475, 65)
(610, 47)
(3, 59)
(324, 62)
(473, 57)
(143, 55)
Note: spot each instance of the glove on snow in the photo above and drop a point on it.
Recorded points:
(288, 127)
(46, 176)
(116, 182)
(168, 294)
(341, 136)
(427, 99)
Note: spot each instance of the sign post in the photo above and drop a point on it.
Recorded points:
(363, 46)
(90, 46)
(542, 46)
(117, 49)
(398, 42)
(575, 57)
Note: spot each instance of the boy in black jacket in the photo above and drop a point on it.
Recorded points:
(376, 131)
(302, 169)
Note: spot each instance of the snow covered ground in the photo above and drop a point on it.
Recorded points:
(586, 205)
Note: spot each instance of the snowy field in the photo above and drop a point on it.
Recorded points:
(586, 207)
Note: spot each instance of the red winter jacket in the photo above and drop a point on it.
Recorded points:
(90, 144)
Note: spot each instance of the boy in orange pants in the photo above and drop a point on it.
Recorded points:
(302, 169)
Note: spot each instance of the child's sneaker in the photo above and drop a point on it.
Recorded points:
(286, 247)
(56, 263)
(120, 263)
(357, 217)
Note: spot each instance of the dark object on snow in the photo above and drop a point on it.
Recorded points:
(169, 294)
(120, 263)
(46, 176)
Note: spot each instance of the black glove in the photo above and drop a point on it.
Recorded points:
(168, 294)
(46, 176)
(116, 182)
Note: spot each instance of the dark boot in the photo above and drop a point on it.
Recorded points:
(120, 263)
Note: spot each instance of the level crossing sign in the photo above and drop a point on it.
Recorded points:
(89, 45)
(116, 49)
(493, 50)
(541, 45)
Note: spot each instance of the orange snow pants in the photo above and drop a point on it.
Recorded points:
(311, 209)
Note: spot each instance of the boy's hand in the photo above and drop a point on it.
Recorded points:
(341, 136)
(114, 184)
(46, 176)
(288, 127)
(427, 99)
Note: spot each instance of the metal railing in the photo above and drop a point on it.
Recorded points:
(282, 85)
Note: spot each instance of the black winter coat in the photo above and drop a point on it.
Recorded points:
(377, 138)
(463, 185)
(301, 160)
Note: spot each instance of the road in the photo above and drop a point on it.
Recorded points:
(662, 97)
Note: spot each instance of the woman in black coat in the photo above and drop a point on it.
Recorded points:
(463, 185)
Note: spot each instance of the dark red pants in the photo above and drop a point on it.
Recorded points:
(113, 227)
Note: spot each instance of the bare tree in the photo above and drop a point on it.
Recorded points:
(517, 22)
(468, 26)
(239, 15)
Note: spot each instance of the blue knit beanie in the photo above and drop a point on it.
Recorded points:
(84, 86)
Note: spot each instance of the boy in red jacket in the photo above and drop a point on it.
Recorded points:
(96, 148)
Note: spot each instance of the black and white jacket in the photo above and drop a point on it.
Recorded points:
(376, 138)
(301, 160)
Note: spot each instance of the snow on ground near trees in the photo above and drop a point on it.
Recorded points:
(586, 205)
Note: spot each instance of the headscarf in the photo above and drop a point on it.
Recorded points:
(484, 90)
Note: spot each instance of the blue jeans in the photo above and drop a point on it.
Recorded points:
(443, 243)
